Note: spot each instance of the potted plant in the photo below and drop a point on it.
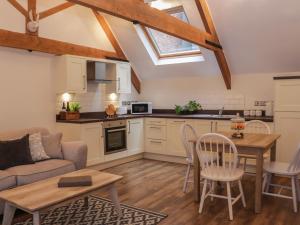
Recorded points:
(72, 112)
(190, 108)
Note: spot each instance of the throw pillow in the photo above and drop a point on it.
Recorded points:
(36, 147)
(15, 153)
(52, 145)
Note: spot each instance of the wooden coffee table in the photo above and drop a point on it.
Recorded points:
(41, 195)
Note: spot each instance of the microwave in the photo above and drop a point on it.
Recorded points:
(141, 108)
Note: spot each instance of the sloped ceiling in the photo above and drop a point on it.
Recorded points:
(258, 36)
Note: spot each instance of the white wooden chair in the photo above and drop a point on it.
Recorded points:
(188, 133)
(223, 170)
(254, 126)
(291, 170)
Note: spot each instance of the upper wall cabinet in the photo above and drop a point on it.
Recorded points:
(70, 74)
(123, 78)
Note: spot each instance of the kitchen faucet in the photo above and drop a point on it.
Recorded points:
(221, 111)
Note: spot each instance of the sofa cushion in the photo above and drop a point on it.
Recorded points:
(7, 180)
(36, 148)
(15, 153)
(52, 145)
(41, 170)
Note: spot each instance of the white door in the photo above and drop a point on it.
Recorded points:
(287, 94)
(287, 124)
(123, 78)
(76, 75)
(135, 136)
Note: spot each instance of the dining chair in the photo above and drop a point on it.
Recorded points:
(224, 169)
(254, 126)
(282, 169)
(188, 133)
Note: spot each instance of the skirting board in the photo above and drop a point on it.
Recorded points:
(117, 162)
(166, 158)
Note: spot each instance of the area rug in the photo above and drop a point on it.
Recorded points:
(99, 211)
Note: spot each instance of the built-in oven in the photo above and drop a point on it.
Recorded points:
(114, 136)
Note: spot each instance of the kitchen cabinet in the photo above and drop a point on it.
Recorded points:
(155, 135)
(70, 74)
(90, 133)
(212, 126)
(123, 71)
(221, 126)
(174, 142)
(288, 125)
(135, 136)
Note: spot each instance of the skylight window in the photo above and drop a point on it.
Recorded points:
(166, 46)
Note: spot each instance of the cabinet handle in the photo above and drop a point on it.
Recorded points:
(157, 142)
(179, 121)
(155, 128)
(129, 127)
(216, 126)
(119, 83)
(84, 82)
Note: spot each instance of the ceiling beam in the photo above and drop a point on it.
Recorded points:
(19, 7)
(138, 12)
(35, 43)
(210, 28)
(55, 9)
(113, 40)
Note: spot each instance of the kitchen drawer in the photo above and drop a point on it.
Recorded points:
(156, 121)
(155, 146)
(156, 132)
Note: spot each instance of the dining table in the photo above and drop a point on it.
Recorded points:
(253, 144)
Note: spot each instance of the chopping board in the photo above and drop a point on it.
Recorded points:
(110, 110)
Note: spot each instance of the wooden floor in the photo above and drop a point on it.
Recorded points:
(157, 186)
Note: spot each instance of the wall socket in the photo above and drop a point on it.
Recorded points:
(260, 103)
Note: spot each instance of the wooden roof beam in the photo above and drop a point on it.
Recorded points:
(210, 28)
(138, 12)
(113, 40)
(55, 9)
(35, 43)
(19, 7)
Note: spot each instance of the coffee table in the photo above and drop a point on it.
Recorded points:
(41, 195)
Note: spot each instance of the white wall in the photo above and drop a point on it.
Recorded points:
(27, 95)
(210, 91)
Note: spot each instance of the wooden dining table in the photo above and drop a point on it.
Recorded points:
(252, 144)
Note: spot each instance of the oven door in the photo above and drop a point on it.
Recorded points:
(115, 140)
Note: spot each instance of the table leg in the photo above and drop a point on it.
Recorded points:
(273, 152)
(197, 171)
(36, 218)
(258, 182)
(9, 212)
(115, 199)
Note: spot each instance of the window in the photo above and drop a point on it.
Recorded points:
(166, 46)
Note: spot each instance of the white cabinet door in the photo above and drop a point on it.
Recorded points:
(123, 78)
(76, 72)
(174, 143)
(91, 134)
(135, 136)
(222, 126)
(203, 126)
(288, 125)
(287, 95)
(70, 74)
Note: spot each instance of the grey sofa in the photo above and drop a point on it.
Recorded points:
(74, 158)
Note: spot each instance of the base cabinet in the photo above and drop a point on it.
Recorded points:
(90, 133)
(135, 136)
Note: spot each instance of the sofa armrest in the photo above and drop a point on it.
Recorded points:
(75, 151)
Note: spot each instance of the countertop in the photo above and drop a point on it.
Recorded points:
(102, 118)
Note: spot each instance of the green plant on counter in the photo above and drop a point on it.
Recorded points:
(75, 106)
(178, 109)
(191, 107)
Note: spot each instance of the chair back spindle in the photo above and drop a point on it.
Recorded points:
(257, 126)
(188, 133)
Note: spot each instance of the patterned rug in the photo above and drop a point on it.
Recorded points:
(99, 211)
